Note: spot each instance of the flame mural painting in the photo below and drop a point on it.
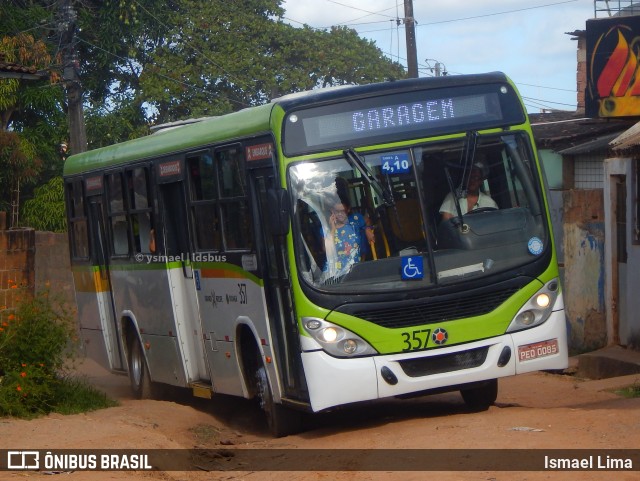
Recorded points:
(613, 74)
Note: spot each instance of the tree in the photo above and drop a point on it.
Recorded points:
(222, 56)
(143, 61)
(153, 61)
(16, 93)
(18, 164)
(19, 100)
(115, 45)
(45, 211)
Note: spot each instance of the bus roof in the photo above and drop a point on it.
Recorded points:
(250, 120)
(176, 139)
(352, 92)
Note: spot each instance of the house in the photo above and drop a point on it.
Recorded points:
(622, 229)
(573, 149)
(592, 164)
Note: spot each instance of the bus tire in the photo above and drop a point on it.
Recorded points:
(281, 421)
(139, 377)
(481, 397)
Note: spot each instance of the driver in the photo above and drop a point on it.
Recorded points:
(474, 198)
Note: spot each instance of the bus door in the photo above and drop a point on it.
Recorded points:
(274, 267)
(229, 293)
(174, 248)
(102, 283)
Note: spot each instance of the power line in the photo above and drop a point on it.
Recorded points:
(543, 87)
(506, 12)
(548, 101)
(348, 23)
(499, 13)
(361, 9)
(543, 104)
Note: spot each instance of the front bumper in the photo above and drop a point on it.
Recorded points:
(335, 381)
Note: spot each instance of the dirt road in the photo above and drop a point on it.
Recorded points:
(537, 411)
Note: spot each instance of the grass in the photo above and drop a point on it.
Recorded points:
(205, 433)
(75, 395)
(632, 391)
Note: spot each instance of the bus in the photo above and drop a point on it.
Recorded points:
(297, 253)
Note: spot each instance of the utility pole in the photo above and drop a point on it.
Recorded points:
(71, 79)
(409, 25)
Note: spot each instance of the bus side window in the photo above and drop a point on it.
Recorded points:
(117, 215)
(140, 210)
(203, 202)
(234, 206)
(77, 220)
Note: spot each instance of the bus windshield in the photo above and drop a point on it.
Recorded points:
(432, 214)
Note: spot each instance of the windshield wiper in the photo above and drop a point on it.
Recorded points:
(468, 156)
(454, 193)
(358, 162)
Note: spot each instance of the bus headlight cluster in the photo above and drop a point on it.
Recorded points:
(537, 309)
(336, 340)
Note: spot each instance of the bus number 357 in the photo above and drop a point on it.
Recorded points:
(415, 339)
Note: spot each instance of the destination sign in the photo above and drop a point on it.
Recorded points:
(405, 117)
(399, 116)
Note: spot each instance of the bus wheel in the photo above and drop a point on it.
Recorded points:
(139, 371)
(481, 397)
(281, 421)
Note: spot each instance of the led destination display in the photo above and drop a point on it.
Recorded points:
(400, 117)
(391, 117)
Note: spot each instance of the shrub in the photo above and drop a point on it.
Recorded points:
(37, 340)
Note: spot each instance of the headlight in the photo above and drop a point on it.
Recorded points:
(329, 334)
(336, 340)
(543, 300)
(537, 309)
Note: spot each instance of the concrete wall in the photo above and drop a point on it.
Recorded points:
(17, 266)
(31, 261)
(622, 277)
(584, 286)
(52, 266)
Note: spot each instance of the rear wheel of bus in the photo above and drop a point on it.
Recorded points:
(281, 420)
(139, 378)
(481, 397)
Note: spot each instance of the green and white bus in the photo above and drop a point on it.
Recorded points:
(202, 256)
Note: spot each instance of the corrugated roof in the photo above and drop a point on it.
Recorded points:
(14, 67)
(629, 139)
(599, 144)
(14, 70)
(562, 131)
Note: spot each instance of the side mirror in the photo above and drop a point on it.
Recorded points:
(279, 211)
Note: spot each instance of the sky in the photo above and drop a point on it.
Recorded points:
(525, 39)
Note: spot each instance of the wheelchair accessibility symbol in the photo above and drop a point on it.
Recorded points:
(412, 267)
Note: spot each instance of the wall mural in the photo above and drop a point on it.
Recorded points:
(613, 68)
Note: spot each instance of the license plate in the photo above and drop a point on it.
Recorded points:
(537, 350)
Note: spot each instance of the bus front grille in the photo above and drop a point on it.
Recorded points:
(457, 361)
(427, 312)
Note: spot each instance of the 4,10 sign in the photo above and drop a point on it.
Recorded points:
(395, 163)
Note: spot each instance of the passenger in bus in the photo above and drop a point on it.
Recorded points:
(361, 221)
(343, 244)
(152, 241)
(474, 198)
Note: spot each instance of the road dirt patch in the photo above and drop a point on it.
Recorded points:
(533, 411)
